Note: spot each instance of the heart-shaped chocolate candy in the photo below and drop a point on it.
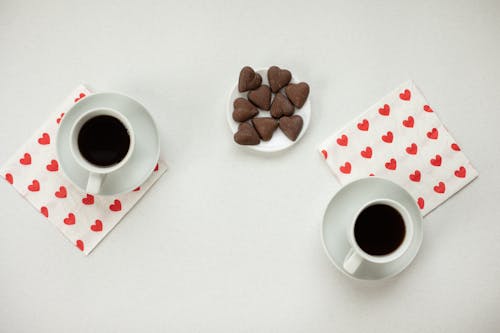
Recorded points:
(243, 110)
(278, 78)
(265, 127)
(246, 135)
(261, 97)
(249, 80)
(297, 93)
(281, 106)
(291, 126)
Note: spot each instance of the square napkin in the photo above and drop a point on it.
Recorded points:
(400, 138)
(35, 173)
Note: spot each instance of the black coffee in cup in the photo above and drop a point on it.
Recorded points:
(379, 229)
(103, 141)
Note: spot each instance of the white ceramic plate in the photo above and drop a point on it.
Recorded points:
(142, 161)
(279, 141)
(342, 210)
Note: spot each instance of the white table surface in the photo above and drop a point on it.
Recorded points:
(229, 241)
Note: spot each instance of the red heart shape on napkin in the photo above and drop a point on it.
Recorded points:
(455, 147)
(61, 194)
(406, 95)
(79, 244)
(346, 168)
(35, 186)
(116, 206)
(385, 110)
(409, 122)
(363, 126)
(53, 166)
(460, 173)
(388, 137)
(138, 188)
(412, 150)
(343, 140)
(58, 120)
(82, 95)
(45, 211)
(97, 226)
(325, 154)
(427, 108)
(421, 202)
(440, 188)
(88, 200)
(433, 134)
(70, 219)
(436, 161)
(391, 165)
(415, 177)
(367, 153)
(9, 178)
(44, 139)
(26, 159)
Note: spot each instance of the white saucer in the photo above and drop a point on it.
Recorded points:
(143, 159)
(341, 211)
(279, 141)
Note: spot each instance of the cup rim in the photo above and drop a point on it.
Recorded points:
(402, 248)
(74, 144)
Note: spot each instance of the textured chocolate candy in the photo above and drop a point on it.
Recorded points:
(281, 106)
(297, 93)
(261, 97)
(249, 80)
(265, 127)
(246, 135)
(291, 126)
(243, 110)
(278, 78)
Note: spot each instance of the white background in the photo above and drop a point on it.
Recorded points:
(229, 241)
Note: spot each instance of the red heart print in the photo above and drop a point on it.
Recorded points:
(385, 110)
(391, 165)
(371, 174)
(346, 168)
(58, 120)
(325, 154)
(116, 206)
(97, 226)
(406, 95)
(26, 160)
(460, 173)
(44, 139)
(427, 108)
(35, 186)
(421, 202)
(364, 125)
(82, 95)
(433, 134)
(388, 137)
(61, 194)
(455, 147)
(343, 140)
(70, 219)
(53, 166)
(436, 161)
(412, 150)
(440, 188)
(45, 211)
(409, 122)
(156, 167)
(415, 177)
(9, 178)
(367, 153)
(80, 245)
(88, 200)
(138, 188)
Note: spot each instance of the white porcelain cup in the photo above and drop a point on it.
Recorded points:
(356, 256)
(97, 174)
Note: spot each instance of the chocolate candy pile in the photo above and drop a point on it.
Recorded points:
(287, 97)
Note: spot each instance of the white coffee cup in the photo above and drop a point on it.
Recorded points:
(98, 173)
(356, 256)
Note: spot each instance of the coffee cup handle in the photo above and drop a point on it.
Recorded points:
(352, 261)
(94, 182)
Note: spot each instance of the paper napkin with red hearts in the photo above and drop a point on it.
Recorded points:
(35, 173)
(402, 139)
